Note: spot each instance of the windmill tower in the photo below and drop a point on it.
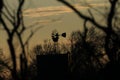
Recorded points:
(53, 66)
(55, 37)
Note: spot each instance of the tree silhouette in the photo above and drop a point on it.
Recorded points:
(112, 38)
(109, 31)
(1, 6)
(11, 35)
(86, 52)
(16, 29)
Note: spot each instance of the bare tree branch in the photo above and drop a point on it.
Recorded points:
(85, 30)
(5, 26)
(8, 11)
(111, 13)
(30, 36)
(19, 12)
(23, 26)
(7, 17)
(97, 10)
(33, 25)
(83, 16)
(110, 1)
(91, 14)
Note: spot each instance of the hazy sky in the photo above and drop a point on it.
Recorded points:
(54, 15)
(51, 14)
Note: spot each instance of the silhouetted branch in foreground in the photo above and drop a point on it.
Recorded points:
(107, 29)
(111, 39)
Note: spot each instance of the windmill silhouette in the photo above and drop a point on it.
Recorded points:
(55, 35)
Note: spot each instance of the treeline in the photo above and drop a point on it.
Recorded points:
(86, 52)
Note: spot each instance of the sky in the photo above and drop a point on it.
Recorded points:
(54, 15)
(51, 15)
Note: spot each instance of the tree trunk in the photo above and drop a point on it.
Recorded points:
(13, 56)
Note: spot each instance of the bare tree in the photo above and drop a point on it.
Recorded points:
(15, 29)
(108, 29)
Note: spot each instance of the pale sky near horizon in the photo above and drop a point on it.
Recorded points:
(51, 14)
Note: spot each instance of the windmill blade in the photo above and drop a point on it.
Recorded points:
(63, 34)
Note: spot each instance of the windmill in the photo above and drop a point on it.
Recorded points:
(55, 35)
